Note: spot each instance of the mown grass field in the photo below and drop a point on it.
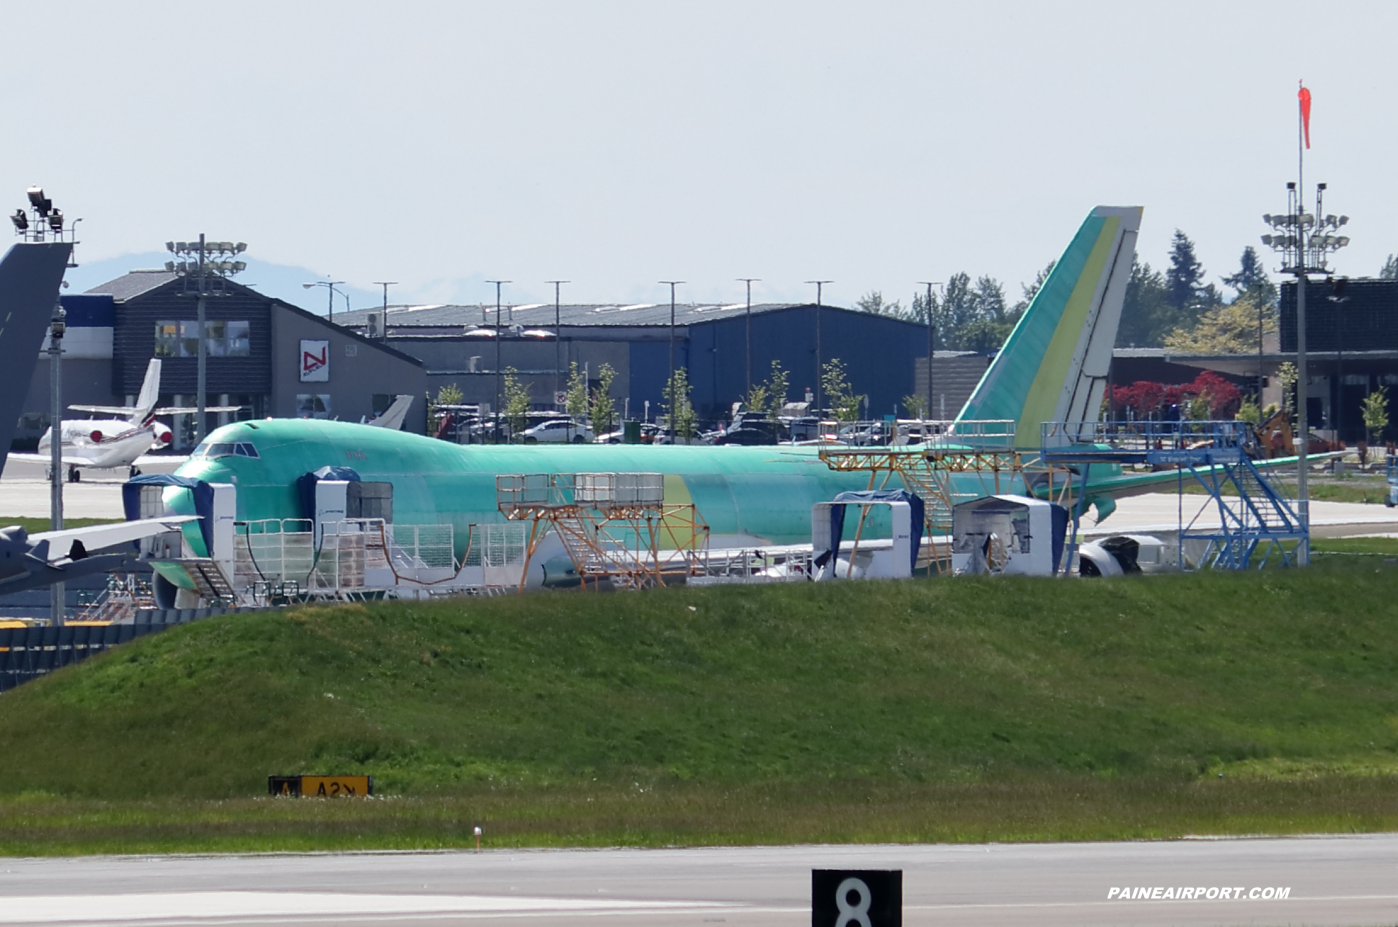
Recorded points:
(920, 710)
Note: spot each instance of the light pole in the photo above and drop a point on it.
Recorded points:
(749, 281)
(1304, 245)
(557, 342)
(1338, 297)
(330, 297)
(207, 278)
(670, 383)
(56, 329)
(819, 285)
(498, 334)
(384, 319)
(931, 346)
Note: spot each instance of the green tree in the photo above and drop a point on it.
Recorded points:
(1184, 279)
(516, 403)
(874, 304)
(1249, 412)
(1376, 414)
(915, 406)
(1030, 290)
(954, 311)
(1225, 329)
(678, 409)
(575, 399)
(1390, 268)
(969, 316)
(1146, 317)
(777, 387)
(921, 303)
(841, 398)
(603, 407)
(448, 395)
(1287, 375)
(1251, 273)
(757, 399)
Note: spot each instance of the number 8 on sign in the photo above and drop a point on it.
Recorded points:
(853, 915)
(856, 898)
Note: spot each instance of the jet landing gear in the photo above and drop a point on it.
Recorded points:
(73, 475)
(133, 472)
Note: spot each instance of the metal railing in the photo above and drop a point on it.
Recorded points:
(1141, 437)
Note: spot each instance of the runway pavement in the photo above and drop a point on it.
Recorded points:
(1340, 881)
(24, 491)
(1163, 512)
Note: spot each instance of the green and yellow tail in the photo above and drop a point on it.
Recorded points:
(1053, 367)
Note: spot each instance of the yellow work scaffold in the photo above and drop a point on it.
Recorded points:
(614, 526)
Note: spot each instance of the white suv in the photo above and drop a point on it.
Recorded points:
(558, 431)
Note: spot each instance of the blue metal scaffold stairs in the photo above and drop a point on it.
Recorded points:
(1257, 523)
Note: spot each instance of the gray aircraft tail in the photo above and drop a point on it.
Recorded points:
(30, 275)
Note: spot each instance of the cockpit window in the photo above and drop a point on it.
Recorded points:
(225, 449)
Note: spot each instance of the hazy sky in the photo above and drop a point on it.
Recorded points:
(615, 144)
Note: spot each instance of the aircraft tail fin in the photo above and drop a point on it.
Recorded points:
(149, 395)
(392, 417)
(1053, 367)
(30, 274)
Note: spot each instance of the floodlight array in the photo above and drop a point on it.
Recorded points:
(42, 216)
(210, 257)
(1307, 239)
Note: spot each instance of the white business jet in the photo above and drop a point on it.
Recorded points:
(111, 444)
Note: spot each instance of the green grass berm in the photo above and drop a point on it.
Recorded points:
(916, 710)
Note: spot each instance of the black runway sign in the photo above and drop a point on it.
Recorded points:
(856, 898)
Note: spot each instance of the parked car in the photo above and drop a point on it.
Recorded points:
(863, 434)
(558, 431)
(648, 433)
(747, 436)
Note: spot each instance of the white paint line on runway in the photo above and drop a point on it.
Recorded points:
(213, 906)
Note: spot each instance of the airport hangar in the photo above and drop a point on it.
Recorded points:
(885, 358)
(272, 358)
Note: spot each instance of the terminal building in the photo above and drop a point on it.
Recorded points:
(1351, 351)
(269, 357)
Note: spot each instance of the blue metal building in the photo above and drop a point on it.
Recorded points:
(459, 344)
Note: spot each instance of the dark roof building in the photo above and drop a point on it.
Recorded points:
(459, 344)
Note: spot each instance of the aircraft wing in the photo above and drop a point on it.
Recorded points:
(56, 556)
(67, 460)
(106, 410)
(101, 537)
(188, 410)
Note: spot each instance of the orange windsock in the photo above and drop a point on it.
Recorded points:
(1305, 97)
